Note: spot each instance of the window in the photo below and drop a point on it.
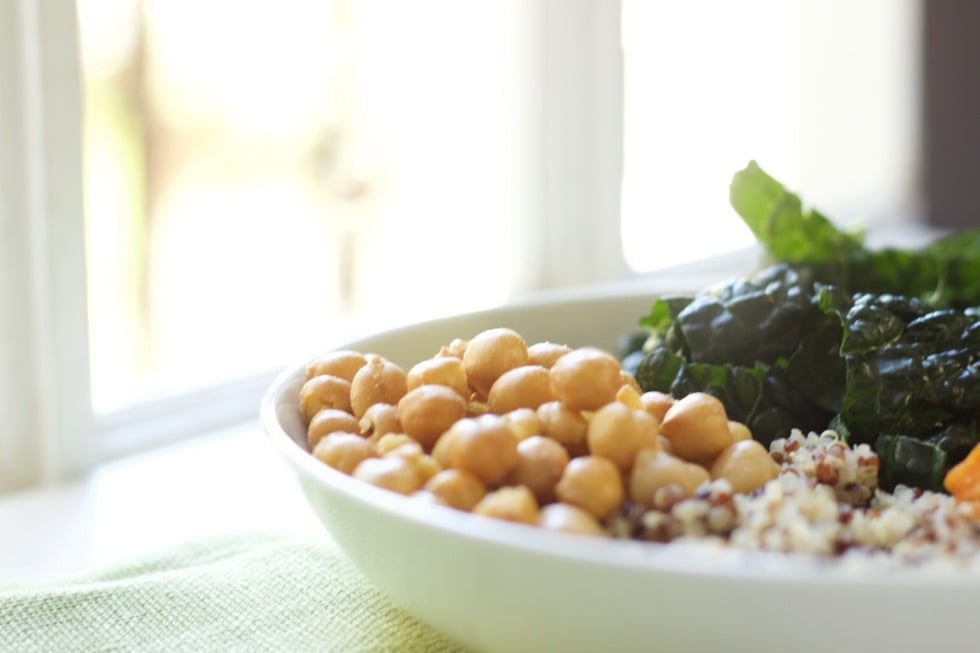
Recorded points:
(193, 196)
(822, 94)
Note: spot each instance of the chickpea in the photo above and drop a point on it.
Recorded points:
(424, 464)
(455, 349)
(570, 519)
(457, 488)
(541, 462)
(739, 431)
(442, 449)
(447, 371)
(379, 420)
(514, 504)
(566, 426)
(627, 379)
(484, 446)
(392, 473)
(617, 432)
(586, 378)
(746, 465)
(546, 353)
(343, 363)
(527, 386)
(656, 403)
(329, 420)
(592, 483)
(523, 422)
(654, 470)
(697, 427)
(629, 396)
(391, 441)
(379, 381)
(344, 451)
(428, 411)
(476, 408)
(324, 391)
(491, 353)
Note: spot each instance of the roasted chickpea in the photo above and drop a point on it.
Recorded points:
(697, 427)
(391, 473)
(656, 403)
(323, 391)
(379, 381)
(592, 483)
(391, 441)
(445, 370)
(746, 465)
(570, 519)
(343, 363)
(475, 407)
(627, 379)
(527, 386)
(455, 349)
(428, 411)
(515, 504)
(491, 353)
(541, 462)
(654, 470)
(442, 449)
(424, 464)
(379, 420)
(329, 420)
(484, 446)
(457, 488)
(344, 451)
(739, 431)
(586, 378)
(566, 426)
(546, 353)
(523, 422)
(617, 432)
(629, 396)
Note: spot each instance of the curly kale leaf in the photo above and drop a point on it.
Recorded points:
(910, 370)
(906, 460)
(759, 345)
(945, 273)
(782, 353)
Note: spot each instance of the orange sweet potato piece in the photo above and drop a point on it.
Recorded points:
(963, 479)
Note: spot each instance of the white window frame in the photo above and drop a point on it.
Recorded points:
(570, 69)
(44, 348)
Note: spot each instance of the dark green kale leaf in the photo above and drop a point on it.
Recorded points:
(760, 345)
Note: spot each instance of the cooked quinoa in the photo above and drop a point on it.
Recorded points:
(825, 501)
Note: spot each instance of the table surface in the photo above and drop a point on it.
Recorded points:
(229, 482)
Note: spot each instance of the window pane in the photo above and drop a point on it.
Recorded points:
(262, 178)
(821, 93)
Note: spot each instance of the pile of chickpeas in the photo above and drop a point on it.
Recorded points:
(539, 434)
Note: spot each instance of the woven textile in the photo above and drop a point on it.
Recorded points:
(245, 593)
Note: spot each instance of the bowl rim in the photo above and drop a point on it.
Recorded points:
(695, 558)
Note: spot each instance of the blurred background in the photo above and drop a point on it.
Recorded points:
(261, 180)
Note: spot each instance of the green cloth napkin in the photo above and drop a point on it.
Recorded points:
(255, 592)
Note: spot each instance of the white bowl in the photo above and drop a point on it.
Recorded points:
(496, 586)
